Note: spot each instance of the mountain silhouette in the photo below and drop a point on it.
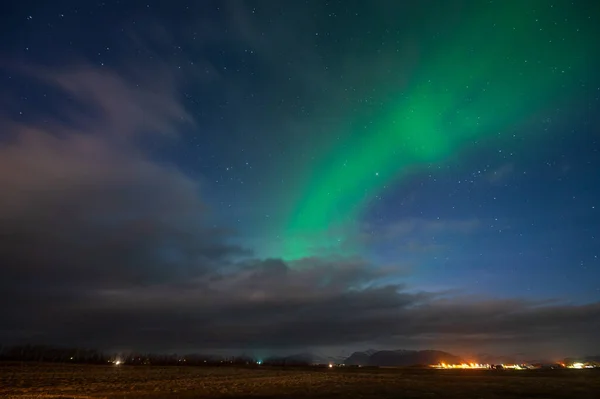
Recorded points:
(391, 358)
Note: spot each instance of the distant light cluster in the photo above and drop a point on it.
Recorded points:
(478, 366)
(581, 366)
(461, 366)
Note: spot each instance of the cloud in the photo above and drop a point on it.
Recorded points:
(410, 226)
(417, 234)
(501, 173)
(96, 251)
(102, 246)
(111, 104)
(84, 208)
(269, 304)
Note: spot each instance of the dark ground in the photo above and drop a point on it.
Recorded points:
(30, 381)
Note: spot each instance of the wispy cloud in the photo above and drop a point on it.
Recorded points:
(108, 104)
(501, 173)
(412, 230)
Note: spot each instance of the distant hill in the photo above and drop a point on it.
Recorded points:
(358, 359)
(401, 358)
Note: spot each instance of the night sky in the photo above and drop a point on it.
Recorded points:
(301, 175)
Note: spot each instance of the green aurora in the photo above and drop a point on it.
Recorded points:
(500, 65)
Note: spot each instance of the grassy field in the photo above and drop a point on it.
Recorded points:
(28, 381)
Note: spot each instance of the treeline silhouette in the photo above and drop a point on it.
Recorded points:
(41, 353)
(54, 354)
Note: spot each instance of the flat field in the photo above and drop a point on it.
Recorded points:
(28, 381)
